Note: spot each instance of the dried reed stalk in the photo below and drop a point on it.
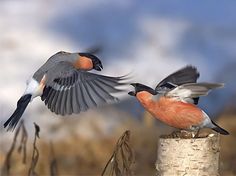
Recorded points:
(121, 159)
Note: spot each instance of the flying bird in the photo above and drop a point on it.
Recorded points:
(66, 86)
(174, 100)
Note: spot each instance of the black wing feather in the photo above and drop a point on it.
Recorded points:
(69, 90)
(188, 74)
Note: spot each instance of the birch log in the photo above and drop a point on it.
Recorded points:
(188, 157)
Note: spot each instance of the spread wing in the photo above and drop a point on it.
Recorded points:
(69, 90)
(187, 92)
(188, 74)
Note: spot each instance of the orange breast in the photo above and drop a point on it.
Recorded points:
(83, 63)
(174, 113)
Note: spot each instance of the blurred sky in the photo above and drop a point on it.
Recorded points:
(150, 38)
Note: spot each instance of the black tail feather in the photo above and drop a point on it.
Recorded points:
(220, 130)
(15, 117)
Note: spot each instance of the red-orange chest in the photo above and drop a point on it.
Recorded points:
(83, 63)
(174, 113)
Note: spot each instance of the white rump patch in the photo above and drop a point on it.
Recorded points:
(32, 88)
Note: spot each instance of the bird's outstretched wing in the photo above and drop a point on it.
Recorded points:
(69, 90)
(187, 92)
(188, 74)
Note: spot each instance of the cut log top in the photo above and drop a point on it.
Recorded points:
(194, 156)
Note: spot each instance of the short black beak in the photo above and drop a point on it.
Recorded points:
(98, 66)
(131, 93)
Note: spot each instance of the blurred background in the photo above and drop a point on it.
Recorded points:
(150, 39)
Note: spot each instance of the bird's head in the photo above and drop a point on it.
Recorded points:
(96, 63)
(139, 88)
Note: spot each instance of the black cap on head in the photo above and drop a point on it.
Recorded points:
(97, 64)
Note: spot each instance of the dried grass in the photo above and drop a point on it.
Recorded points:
(121, 159)
(22, 147)
(35, 155)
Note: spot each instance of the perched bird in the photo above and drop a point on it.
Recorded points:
(174, 100)
(66, 86)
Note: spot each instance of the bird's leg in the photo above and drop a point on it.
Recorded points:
(197, 133)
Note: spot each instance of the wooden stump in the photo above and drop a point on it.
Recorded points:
(188, 157)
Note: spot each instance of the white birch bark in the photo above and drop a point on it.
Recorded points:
(188, 157)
